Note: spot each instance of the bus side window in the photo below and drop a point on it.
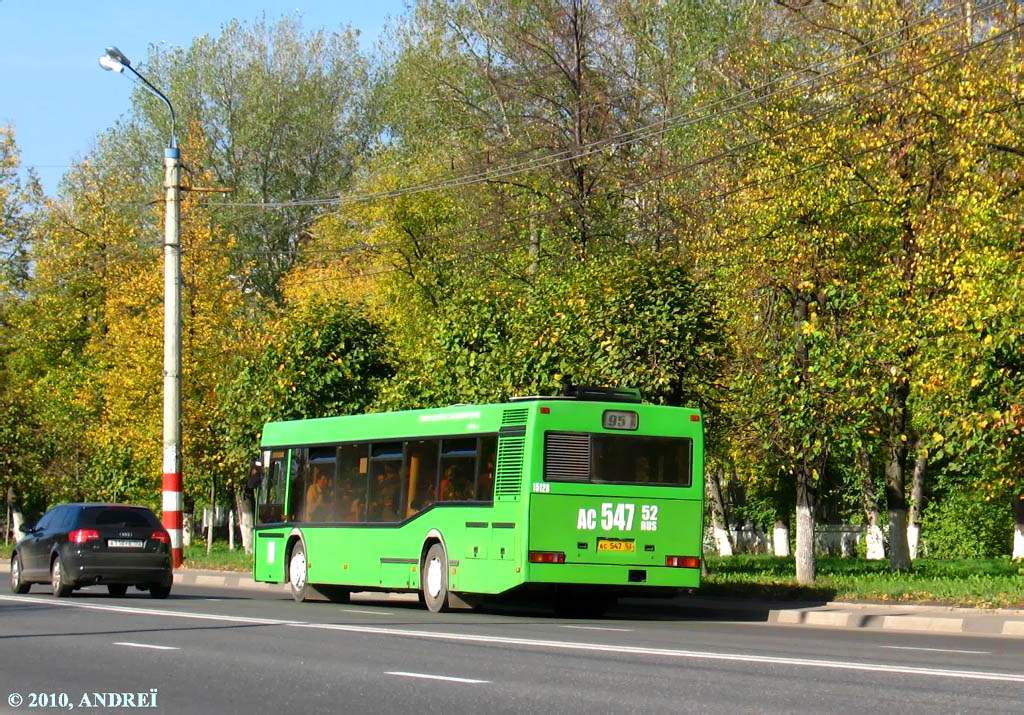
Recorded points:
(297, 484)
(458, 467)
(421, 461)
(321, 488)
(271, 494)
(485, 475)
(351, 494)
(385, 499)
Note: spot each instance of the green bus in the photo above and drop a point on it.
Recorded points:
(588, 496)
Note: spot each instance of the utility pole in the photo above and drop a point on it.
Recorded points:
(172, 481)
(114, 60)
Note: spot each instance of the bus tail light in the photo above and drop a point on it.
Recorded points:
(547, 557)
(683, 562)
(80, 536)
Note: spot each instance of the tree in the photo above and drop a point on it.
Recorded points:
(283, 117)
(851, 188)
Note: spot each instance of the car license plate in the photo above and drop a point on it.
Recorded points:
(615, 545)
(125, 543)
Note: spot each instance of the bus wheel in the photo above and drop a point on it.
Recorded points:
(297, 573)
(434, 579)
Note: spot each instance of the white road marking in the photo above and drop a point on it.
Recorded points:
(599, 628)
(427, 676)
(375, 613)
(546, 644)
(936, 650)
(147, 645)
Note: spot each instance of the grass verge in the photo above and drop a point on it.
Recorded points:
(981, 583)
(220, 557)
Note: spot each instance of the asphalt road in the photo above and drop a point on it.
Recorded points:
(235, 650)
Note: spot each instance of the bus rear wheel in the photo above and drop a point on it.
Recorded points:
(434, 579)
(297, 573)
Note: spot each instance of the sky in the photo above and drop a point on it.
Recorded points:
(58, 99)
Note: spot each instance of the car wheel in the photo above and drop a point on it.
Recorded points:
(117, 589)
(18, 583)
(434, 579)
(297, 573)
(158, 591)
(59, 579)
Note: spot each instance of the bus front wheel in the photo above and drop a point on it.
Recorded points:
(434, 579)
(297, 576)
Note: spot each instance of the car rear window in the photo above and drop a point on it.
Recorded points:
(118, 516)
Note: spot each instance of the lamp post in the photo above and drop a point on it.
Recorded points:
(115, 61)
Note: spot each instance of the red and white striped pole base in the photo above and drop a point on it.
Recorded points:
(172, 514)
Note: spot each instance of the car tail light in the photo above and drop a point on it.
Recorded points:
(80, 536)
(547, 557)
(683, 562)
(162, 536)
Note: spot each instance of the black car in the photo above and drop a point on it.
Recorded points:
(77, 545)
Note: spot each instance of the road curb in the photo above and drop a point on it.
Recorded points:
(836, 614)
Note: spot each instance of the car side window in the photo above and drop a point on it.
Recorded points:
(70, 519)
(48, 519)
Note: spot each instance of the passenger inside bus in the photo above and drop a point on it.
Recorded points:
(318, 498)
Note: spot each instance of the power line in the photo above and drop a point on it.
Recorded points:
(703, 161)
(639, 133)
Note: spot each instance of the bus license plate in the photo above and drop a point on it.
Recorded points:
(615, 545)
(125, 543)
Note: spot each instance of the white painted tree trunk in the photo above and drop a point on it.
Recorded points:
(186, 529)
(916, 500)
(875, 540)
(913, 537)
(244, 504)
(780, 539)
(899, 553)
(805, 561)
(723, 541)
(231, 529)
(1018, 532)
(18, 519)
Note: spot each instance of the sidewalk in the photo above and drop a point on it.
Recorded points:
(836, 614)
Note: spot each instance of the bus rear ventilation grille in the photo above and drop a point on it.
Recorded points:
(514, 417)
(566, 457)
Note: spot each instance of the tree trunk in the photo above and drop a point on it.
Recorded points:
(719, 518)
(213, 515)
(806, 562)
(16, 516)
(916, 500)
(780, 538)
(1018, 532)
(895, 477)
(244, 504)
(874, 538)
(231, 529)
(186, 529)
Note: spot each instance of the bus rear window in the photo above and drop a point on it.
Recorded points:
(617, 459)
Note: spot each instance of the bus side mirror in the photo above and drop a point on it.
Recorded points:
(26, 529)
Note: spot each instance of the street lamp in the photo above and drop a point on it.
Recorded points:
(115, 61)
